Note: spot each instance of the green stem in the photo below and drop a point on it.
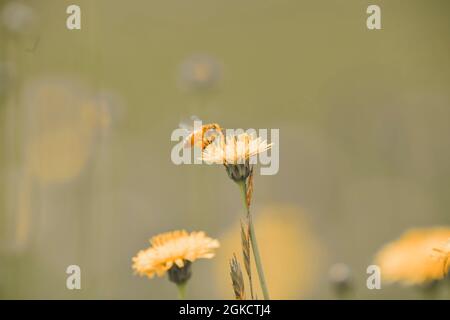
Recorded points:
(182, 290)
(254, 243)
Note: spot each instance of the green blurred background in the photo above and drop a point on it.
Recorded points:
(86, 117)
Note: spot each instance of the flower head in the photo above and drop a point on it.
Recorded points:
(237, 153)
(235, 149)
(173, 252)
(410, 259)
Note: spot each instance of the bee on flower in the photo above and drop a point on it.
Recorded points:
(237, 153)
(201, 135)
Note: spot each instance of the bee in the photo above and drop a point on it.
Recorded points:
(203, 136)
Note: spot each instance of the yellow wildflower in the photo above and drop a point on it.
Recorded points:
(410, 259)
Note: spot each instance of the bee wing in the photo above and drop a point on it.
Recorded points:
(187, 127)
(188, 124)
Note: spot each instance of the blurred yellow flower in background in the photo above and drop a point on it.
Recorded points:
(65, 119)
(173, 249)
(62, 121)
(200, 72)
(17, 17)
(291, 252)
(410, 259)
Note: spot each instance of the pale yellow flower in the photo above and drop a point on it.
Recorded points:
(235, 149)
(170, 249)
(410, 259)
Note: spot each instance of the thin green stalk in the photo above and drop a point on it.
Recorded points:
(182, 290)
(254, 243)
